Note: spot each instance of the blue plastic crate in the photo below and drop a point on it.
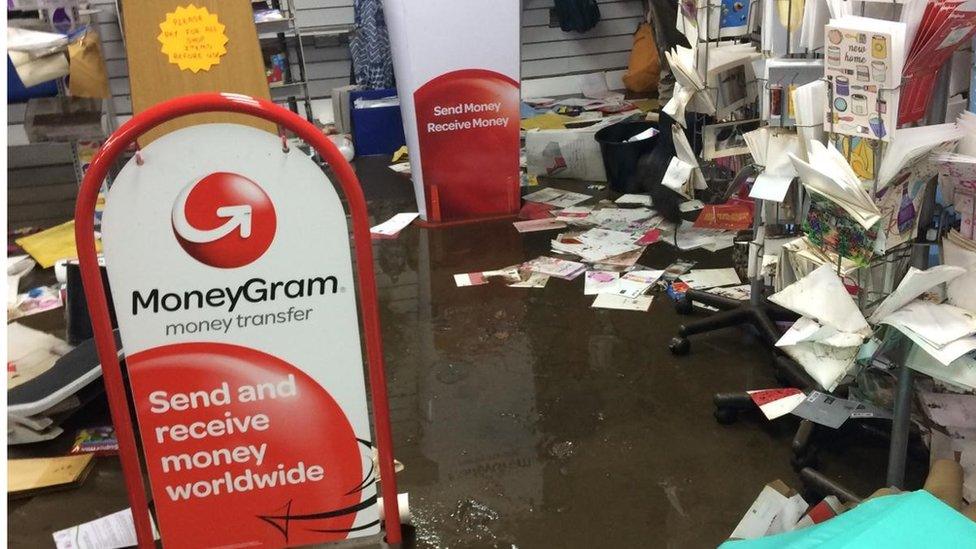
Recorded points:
(377, 130)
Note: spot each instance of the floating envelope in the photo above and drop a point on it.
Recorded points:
(826, 364)
(809, 330)
(915, 283)
(939, 325)
(821, 295)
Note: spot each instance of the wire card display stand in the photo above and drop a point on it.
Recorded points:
(872, 285)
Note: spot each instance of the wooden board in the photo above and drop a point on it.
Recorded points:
(26, 477)
(154, 79)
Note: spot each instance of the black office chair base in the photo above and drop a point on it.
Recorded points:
(679, 346)
(732, 312)
(788, 373)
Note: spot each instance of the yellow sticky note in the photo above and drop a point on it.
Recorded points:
(50, 245)
(192, 38)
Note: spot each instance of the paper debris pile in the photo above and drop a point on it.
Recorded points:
(605, 242)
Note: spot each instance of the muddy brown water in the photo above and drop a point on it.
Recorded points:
(527, 419)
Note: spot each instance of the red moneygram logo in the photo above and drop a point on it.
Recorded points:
(224, 220)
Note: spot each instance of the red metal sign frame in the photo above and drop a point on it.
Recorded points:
(121, 140)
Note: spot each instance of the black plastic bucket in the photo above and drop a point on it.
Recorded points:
(620, 158)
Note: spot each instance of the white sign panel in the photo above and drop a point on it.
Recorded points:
(230, 268)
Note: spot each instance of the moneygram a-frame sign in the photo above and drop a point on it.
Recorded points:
(229, 262)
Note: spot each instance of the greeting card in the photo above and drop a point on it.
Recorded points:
(864, 59)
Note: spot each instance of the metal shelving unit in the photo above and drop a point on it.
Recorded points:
(288, 35)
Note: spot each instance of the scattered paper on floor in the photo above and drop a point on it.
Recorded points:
(778, 402)
(700, 279)
(595, 282)
(610, 301)
(392, 226)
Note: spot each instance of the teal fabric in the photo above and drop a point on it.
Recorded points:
(910, 521)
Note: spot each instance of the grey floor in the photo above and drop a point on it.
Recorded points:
(527, 419)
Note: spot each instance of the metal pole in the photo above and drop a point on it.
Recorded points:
(756, 284)
(900, 424)
(900, 428)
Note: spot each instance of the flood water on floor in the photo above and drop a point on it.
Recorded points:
(527, 419)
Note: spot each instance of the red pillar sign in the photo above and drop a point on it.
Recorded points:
(467, 124)
(459, 95)
(230, 267)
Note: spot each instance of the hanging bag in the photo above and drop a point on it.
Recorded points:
(644, 67)
(577, 15)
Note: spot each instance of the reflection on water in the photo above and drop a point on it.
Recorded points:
(527, 419)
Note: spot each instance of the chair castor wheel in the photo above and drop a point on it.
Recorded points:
(679, 346)
(683, 306)
(725, 415)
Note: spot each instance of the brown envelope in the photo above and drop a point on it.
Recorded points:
(89, 77)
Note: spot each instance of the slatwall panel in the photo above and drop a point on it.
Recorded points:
(41, 185)
(548, 54)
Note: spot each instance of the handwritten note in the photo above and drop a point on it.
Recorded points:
(192, 38)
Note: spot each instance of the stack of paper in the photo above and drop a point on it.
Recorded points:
(112, 531)
(534, 225)
(30, 353)
(829, 175)
(683, 175)
(688, 84)
(638, 199)
(799, 257)
(815, 16)
(559, 268)
(556, 197)
(37, 56)
(599, 244)
(810, 100)
(943, 28)
(623, 219)
(530, 279)
(825, 352)
(509, 274)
